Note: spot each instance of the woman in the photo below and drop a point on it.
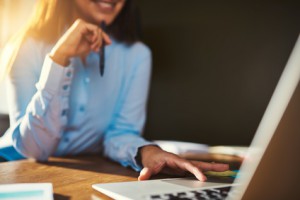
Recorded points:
(59, 103)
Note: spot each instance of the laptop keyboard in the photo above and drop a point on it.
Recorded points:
(213, 193)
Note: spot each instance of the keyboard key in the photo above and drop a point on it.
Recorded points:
(206, 194)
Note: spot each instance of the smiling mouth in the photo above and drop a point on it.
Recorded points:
(106, 5)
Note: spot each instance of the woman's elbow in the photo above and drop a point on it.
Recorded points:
(30, 149)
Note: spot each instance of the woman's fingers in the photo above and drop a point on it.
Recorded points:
(106, 38)
(205, 166)
(78, 40)
(155, 160)
(177, 163)
(96, 36)
(100, 38)
(188, 166)
(147, 172)
(173, 171)
(96, 41)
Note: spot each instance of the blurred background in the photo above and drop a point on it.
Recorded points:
(13, 14)
(215, 64)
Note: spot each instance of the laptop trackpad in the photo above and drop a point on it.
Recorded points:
(192, 182)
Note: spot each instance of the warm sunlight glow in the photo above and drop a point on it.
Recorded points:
(13, 14)
(5, 54)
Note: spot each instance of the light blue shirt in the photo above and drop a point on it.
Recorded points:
(57, 111)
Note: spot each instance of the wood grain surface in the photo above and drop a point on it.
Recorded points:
(72, 177)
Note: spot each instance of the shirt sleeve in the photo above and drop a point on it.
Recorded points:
(38, 101)
(123, 137)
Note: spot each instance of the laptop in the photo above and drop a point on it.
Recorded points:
(272, 166)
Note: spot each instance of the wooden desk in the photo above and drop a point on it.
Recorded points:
(72, 177)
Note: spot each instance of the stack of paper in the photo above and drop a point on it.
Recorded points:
(178, 147)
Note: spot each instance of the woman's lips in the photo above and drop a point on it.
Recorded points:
(105, 6)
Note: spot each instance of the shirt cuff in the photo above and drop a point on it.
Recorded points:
(55, 78)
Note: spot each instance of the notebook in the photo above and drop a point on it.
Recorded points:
(272, 164)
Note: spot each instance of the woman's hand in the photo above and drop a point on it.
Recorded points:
(156, 160)
(79, 40)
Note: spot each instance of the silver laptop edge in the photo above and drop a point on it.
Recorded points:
(284, 90)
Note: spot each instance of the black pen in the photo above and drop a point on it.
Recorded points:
(102, 50)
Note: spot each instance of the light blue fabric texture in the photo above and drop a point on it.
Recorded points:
(57, 111)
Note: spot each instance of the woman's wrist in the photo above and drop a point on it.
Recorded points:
(146, 152)
(59, 58)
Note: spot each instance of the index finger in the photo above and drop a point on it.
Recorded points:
(94, 30)
(205, 166)
(188, 166)
(105, 38)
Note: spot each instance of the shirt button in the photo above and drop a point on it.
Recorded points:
(87, 80)
(82, 108)
(65, 87)
(64, 112)
(69, 73)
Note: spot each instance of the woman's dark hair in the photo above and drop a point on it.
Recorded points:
(126, 27)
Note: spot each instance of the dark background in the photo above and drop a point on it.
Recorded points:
(215, 65)
(4, 123)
